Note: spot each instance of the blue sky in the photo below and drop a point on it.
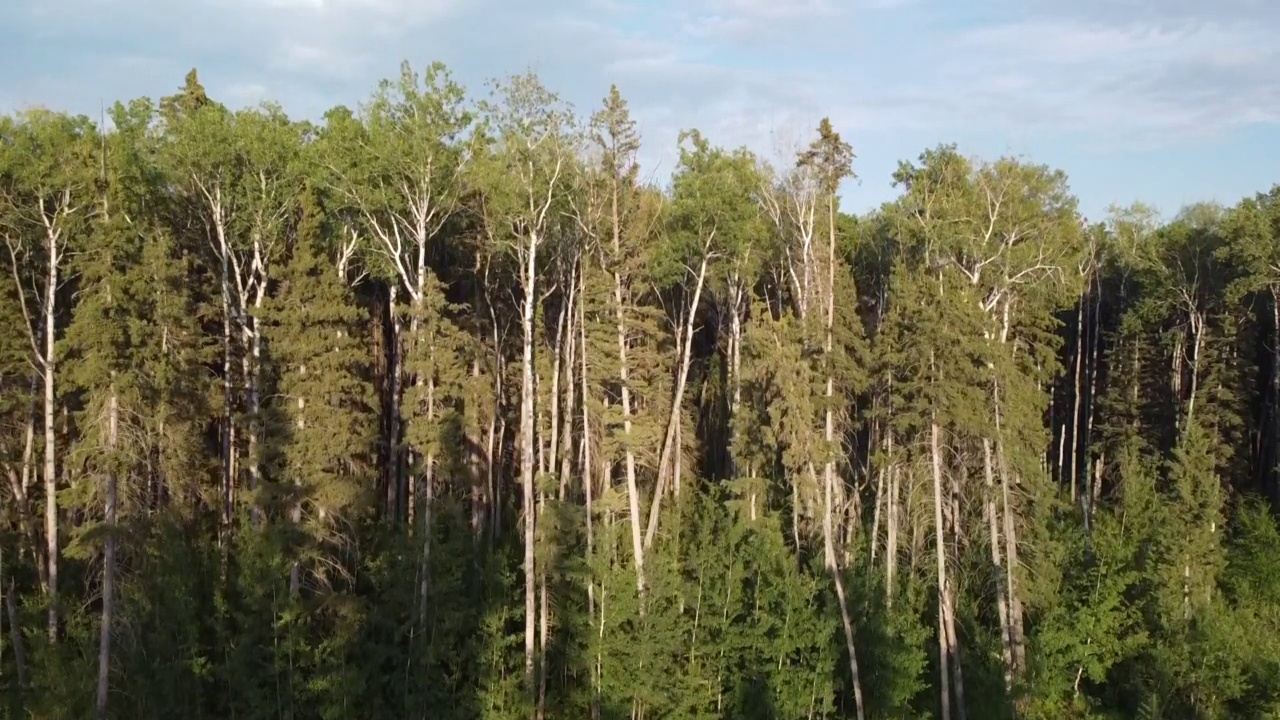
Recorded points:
(1164, 101)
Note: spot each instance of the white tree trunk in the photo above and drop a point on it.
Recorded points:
(677, 402)
(108, 561)
(50, 437)
(992, 513)
(527, 450)
(944, 589)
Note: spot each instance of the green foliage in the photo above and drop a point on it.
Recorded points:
(291, 360)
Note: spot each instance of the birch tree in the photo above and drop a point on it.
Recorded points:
(401, 173)
(47, 200)
(526, 172)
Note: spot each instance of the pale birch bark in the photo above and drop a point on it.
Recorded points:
(1272, 454)
(55, 248)
(1016, 632)
(992, 513)
(1092, 468)
(638, 545)
(633, 491)
(54, 211)
(295, 509)
(108, 561)
(891, 535)
(830, 450)
(945, 636)
(736, 312)
(1076, 409)
(527, 450)
(537, 157)
(588, 484)
(230, 319)
(666, 466)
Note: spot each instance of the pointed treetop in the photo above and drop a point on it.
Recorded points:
(829, 156)
(614, 132)
(191, 98)
(193, 92)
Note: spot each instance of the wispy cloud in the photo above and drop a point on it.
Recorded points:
(1157, 79)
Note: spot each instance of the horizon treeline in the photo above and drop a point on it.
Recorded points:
(435, 409)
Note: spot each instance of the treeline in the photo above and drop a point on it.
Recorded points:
(436, 410)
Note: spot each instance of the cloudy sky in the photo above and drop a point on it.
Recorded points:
(1165, 101)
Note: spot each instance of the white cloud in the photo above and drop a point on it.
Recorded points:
(773, 9)
(1156, 79)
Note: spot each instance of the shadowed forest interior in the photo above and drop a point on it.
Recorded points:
(441, 408)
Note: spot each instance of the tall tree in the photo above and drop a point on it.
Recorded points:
(830, 159)
(526, 173)
(48, 169)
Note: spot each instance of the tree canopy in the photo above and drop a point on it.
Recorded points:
(436, 409)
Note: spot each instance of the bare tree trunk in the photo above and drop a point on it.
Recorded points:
(669, 443)
(833, 567)
(554, 399)
(38, 333)
(475, 438)
(633, 491)
(1002, 605)
(29, 438)
(1197, 342)
(587, 487)
(564, 327)
(234, 325)
(830, 450)
(879, 500)
(1273, 454)
(414, 356)
(255, 398)
(395, 460)
(735, 378)
(795, 517)
(891, 539)
(295, 510)
(945, 637)
(957, 666)
(496, 436)
(570, 394)
(1072, 461)
(50, 438)
(1086, 452)
(587, 483)
(527, 450)
(1175, 366)
(228, 398)
(1016, 632)
(108, 564)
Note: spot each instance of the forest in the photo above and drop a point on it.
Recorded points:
(441, 408)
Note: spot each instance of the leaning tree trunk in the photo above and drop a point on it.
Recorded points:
(665, 463)
(633, 491)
